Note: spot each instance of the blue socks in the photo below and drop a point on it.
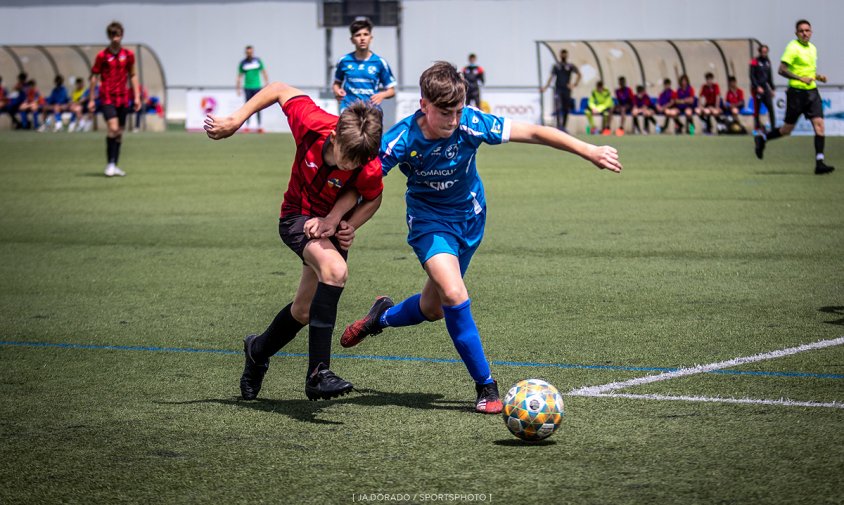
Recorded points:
(461, 327)
(406, 313)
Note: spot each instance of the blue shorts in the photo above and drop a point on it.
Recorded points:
(462, 239)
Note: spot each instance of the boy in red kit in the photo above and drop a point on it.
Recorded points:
(115, 68)
(710, 96)
(331, 154)
(733, 104)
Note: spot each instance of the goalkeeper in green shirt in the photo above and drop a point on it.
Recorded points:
(799, 65)
(600, 103)
(249, 73)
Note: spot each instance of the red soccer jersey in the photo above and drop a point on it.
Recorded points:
(32, 94)
(114, 74)
(643, 100)
(710, 94)
(735, 97)
(314, 186)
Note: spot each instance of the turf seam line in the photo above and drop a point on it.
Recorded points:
(373, 357)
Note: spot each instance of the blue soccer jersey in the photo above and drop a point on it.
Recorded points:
(442, 179)
(58, 96)
(362, 78)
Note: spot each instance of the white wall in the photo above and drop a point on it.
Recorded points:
(200, 43)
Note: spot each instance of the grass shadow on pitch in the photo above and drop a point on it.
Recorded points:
(308, 411)
(836, 310)
(783, 172)
(517, 442)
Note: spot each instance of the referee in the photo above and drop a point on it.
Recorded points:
(799, 65)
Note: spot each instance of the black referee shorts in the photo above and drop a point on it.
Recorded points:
(291, 229)
(802, 101)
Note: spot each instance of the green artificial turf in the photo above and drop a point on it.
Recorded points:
(123, 303)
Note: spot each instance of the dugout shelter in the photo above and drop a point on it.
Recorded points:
(648, 62)
(44, 62)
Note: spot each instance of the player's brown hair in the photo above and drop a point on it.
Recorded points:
(801, 22)
(358, 132)
(114, 28)
(359, 24)
(443, 85)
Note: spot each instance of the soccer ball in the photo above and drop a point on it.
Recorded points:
(533, 409)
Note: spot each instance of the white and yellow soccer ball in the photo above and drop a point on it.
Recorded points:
(533, 409)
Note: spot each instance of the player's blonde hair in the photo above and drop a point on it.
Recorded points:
(358, 132)
(443, 85)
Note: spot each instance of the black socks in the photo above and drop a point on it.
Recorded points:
(112, 149)
(278, 334)
(323, 317)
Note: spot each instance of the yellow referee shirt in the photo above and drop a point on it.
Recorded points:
(802, 61)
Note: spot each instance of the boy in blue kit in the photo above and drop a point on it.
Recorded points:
(57, 102)
(362, 74)
(435, 149)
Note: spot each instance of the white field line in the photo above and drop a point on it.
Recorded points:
(712, 399)
(684, 372)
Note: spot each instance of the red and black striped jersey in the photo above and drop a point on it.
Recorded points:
(314, 186)
(114, 71)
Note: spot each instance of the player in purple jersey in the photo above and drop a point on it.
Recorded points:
(665, 105)
(642, 107)
(685, 104)
(623, 103)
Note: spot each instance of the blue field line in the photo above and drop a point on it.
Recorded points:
(372, 357)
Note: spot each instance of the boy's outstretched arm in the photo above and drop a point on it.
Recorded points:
(220, 127)
(603, 157)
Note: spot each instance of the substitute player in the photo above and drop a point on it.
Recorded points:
(331, 154)
(685, 103)
(115, 67)
(436, 148)
(623, 104)
(362, 74)
(709, 105)
(799, 64)
(642, 107)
